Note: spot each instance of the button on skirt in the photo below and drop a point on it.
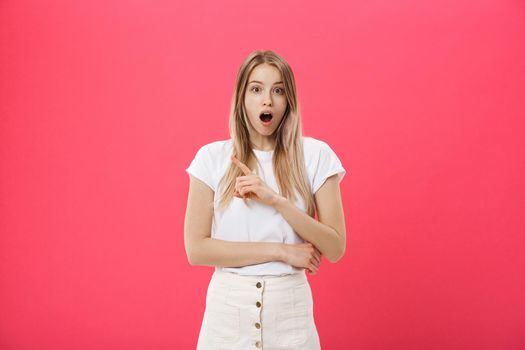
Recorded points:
(258, 312)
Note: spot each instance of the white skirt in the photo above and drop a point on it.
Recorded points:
(258, 312)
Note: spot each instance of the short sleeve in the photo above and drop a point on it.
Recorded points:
(201, 167)
(327, 165)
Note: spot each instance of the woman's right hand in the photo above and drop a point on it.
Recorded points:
(304, 255)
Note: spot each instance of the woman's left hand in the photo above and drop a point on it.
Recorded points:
(251, 186)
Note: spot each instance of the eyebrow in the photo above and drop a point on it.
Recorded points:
(256, 81)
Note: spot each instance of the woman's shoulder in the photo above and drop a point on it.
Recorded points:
(316, 151)
(218, 147)
(313, 145)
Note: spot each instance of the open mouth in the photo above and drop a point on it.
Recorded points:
(265, 117)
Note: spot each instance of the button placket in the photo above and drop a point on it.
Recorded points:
(257, 324)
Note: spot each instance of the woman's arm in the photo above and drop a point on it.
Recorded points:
(201, 249)
(329, 233)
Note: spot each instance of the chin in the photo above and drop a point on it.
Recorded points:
(269, 132)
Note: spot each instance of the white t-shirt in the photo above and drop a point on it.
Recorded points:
(252, 221)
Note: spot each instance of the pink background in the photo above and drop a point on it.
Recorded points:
(104, 104)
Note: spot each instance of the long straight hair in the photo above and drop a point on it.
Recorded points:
(288, 157)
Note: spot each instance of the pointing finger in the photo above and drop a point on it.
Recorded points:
(241, 165)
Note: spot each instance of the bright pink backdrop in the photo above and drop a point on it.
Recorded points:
(104, 104)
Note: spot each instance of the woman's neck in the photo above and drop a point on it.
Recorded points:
(264, 145)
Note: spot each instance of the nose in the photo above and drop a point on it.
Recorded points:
(268, 99)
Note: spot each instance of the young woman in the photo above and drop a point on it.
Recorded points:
(251, 213)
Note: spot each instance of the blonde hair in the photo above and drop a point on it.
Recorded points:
(288, 156)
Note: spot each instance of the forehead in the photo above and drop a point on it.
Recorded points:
(265, 73)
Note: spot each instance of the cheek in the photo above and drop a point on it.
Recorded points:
(282, 106)
(282, 102)
(250, 98)
(278, 121)
(251, 115)
(251, 105)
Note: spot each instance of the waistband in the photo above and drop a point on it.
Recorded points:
(249, 281)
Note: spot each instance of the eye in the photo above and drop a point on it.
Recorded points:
(278, 90)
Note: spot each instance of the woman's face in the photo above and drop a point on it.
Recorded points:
(264, 93)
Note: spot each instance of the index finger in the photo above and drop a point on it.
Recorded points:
(241, 165)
